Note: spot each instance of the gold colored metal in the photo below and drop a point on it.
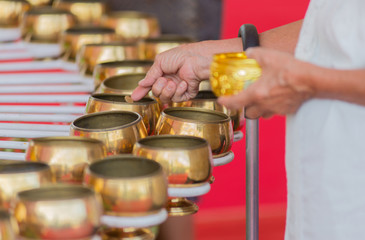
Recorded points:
(67, 156)
(11, 12)
(87, 12)
(130, 186)
(214, 126)
(74, 38)
(150, 47)
(205, 86)
(118, 130)
(90, 55)
(105, 70)
(45, 24)
(186, 161)
(147, 107)
(132, 25)
(121, 84)
(58, 212)
(8, 226)
(207, 100)
(40, 3)
(19, 176)
(126, 234)
(232, 72)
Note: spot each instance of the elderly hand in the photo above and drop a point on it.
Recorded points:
(283, 86)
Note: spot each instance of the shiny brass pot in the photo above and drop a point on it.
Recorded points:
(11, 12)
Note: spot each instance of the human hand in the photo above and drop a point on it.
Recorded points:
(281, 89)
(176, 74)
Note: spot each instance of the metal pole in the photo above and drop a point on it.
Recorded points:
(252, 179)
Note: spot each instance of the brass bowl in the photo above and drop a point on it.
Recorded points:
(230, 73)
(121, 84)
(11, 12)
(19, 176)
(119, 130)
(126, 233)
(45, 24)
(207, 100)
(214, 126)
(130, 186)
(132, 25)
(148, 108)
(87, 12)
(58, 212)
(40, 3)
(90, 55)
(187, 162)
(74, 38)
(67, 156)
(8, 226)
(150, 47)
(105, 70)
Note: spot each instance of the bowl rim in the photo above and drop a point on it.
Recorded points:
(140, 143)
(94, 97)
(164, 113)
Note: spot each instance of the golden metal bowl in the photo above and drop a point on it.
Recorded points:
(90, 55)
(119, 130)
(230, 73)
(121, 84)
(11, 12)
(58, 212)
(150, 47)
(67, 156)
(105, 70)
(8, 226)
(187, 162)
(45, 24)
(74, 38)
(130, 186)
(87, 12)
(132, 25)
(214, 126)
(19, 176)
(40, 3)
(207, 100)
(147, 107)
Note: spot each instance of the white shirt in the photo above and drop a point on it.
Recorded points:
(325, 139)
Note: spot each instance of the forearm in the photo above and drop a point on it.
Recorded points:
(326, 83)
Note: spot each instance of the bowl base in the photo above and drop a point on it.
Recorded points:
(181, 207)
(126, 233)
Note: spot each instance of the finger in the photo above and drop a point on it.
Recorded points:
(179, 95)
(158, 86)
(152, 75)
(237, 101)
(139, 93)
(168, 92)
(253, 112)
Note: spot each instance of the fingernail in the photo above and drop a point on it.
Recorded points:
(140, 81)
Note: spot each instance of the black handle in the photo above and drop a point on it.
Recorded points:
(249, 35)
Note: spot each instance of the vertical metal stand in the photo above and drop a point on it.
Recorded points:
(252, 179)
(250, 38)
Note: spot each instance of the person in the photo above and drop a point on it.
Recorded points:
(313, 71)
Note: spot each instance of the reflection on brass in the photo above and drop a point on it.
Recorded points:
(8, 226)
(149, 48)
(67, 156)
(86, 11)
(130, 186)
(230, 73)
(58, 212)
(39, 3)
(207, 100)
(118, 130)
(214, 126)
(186, 160)
(205, 86)
(110, 69)
(131, 25)
(121, 84)
(19, 176)
(11, 11)
(147, 107)
(45, 24)
(74, 38)
(128, 99)
(90, 55)
(126, 233)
